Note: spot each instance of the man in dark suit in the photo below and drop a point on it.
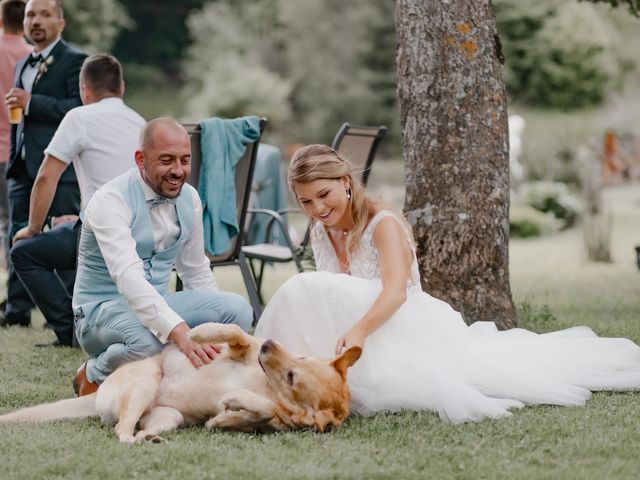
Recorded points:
(46, 88)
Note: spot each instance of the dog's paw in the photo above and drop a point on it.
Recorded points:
(126, 438)
(153, 439)
(211, 423)
(231, 402)
(143, 436)
(205, 332)
(219, 333)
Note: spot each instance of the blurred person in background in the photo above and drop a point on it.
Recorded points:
(46, 87)
(100, 139)
(13, 47)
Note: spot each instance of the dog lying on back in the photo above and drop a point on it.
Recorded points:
(250, 386)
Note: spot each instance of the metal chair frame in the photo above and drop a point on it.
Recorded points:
(243, 179)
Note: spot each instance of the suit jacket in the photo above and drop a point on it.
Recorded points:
(55, 92)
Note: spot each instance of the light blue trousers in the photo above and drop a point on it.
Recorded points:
(113, 335)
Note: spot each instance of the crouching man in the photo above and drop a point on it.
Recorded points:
(136, 228)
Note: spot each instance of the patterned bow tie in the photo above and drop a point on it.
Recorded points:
(33, 61)
(154, 202)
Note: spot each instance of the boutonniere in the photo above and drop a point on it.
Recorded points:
(44, 67)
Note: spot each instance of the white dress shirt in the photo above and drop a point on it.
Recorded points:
(108, 216)
(100, 139)
(29, 73)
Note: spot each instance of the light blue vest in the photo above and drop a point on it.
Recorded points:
(93, 281)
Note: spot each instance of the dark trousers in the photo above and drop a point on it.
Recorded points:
(4, 216)
(66, 201)
(46, 265)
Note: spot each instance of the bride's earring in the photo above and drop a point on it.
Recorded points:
(348, 193)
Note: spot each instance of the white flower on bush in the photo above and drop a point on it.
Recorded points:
(552, 197)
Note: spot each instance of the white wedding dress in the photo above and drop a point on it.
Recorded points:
(426, 358)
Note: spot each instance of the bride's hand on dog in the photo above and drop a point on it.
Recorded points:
(198, 353)
(354, 337)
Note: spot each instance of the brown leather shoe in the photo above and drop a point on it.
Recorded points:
(81, 384)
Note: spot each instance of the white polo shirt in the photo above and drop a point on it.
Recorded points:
(100, 139)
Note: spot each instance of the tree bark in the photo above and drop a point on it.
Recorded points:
(455, 136)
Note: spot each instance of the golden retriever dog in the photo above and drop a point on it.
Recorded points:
(250, 386)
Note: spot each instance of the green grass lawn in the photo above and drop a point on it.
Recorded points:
(554, 287)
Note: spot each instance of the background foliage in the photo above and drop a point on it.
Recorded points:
(160, 35)
(633, 5)
(234, 65)
(95, 25)
(311, 64)
(558, 54)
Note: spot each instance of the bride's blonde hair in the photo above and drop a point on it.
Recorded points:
(316, 162)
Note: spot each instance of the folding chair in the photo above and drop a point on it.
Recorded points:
(357, 143)
(243, 180)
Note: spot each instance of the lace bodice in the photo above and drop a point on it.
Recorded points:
(364, 260)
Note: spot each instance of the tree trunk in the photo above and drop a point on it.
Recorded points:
(454, 125)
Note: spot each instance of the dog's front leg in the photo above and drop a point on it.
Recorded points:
(244, 410)
(239, 342)
(158, 420)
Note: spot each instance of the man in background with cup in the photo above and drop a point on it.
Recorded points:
(100, 139)
(13, 47)
(46, 88)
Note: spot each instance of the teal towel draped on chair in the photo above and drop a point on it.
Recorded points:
(223, 142)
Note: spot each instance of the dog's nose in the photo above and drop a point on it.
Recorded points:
(266, 346)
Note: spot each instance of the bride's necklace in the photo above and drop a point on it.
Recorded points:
(339, 232)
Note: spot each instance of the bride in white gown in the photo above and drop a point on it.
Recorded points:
(417, 351)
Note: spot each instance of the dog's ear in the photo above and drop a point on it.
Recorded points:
(346, 359)
(323, 418)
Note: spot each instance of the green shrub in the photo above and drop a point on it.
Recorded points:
(632, 5)
(235, 88)
(554, 198)
(574, 59)
(230, 67)
(518, 23)
(94, 25)
(558, 54)
(525, 222)
(524, 229)
(307, 65)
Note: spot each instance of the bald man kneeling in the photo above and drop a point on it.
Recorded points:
(135, 229)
